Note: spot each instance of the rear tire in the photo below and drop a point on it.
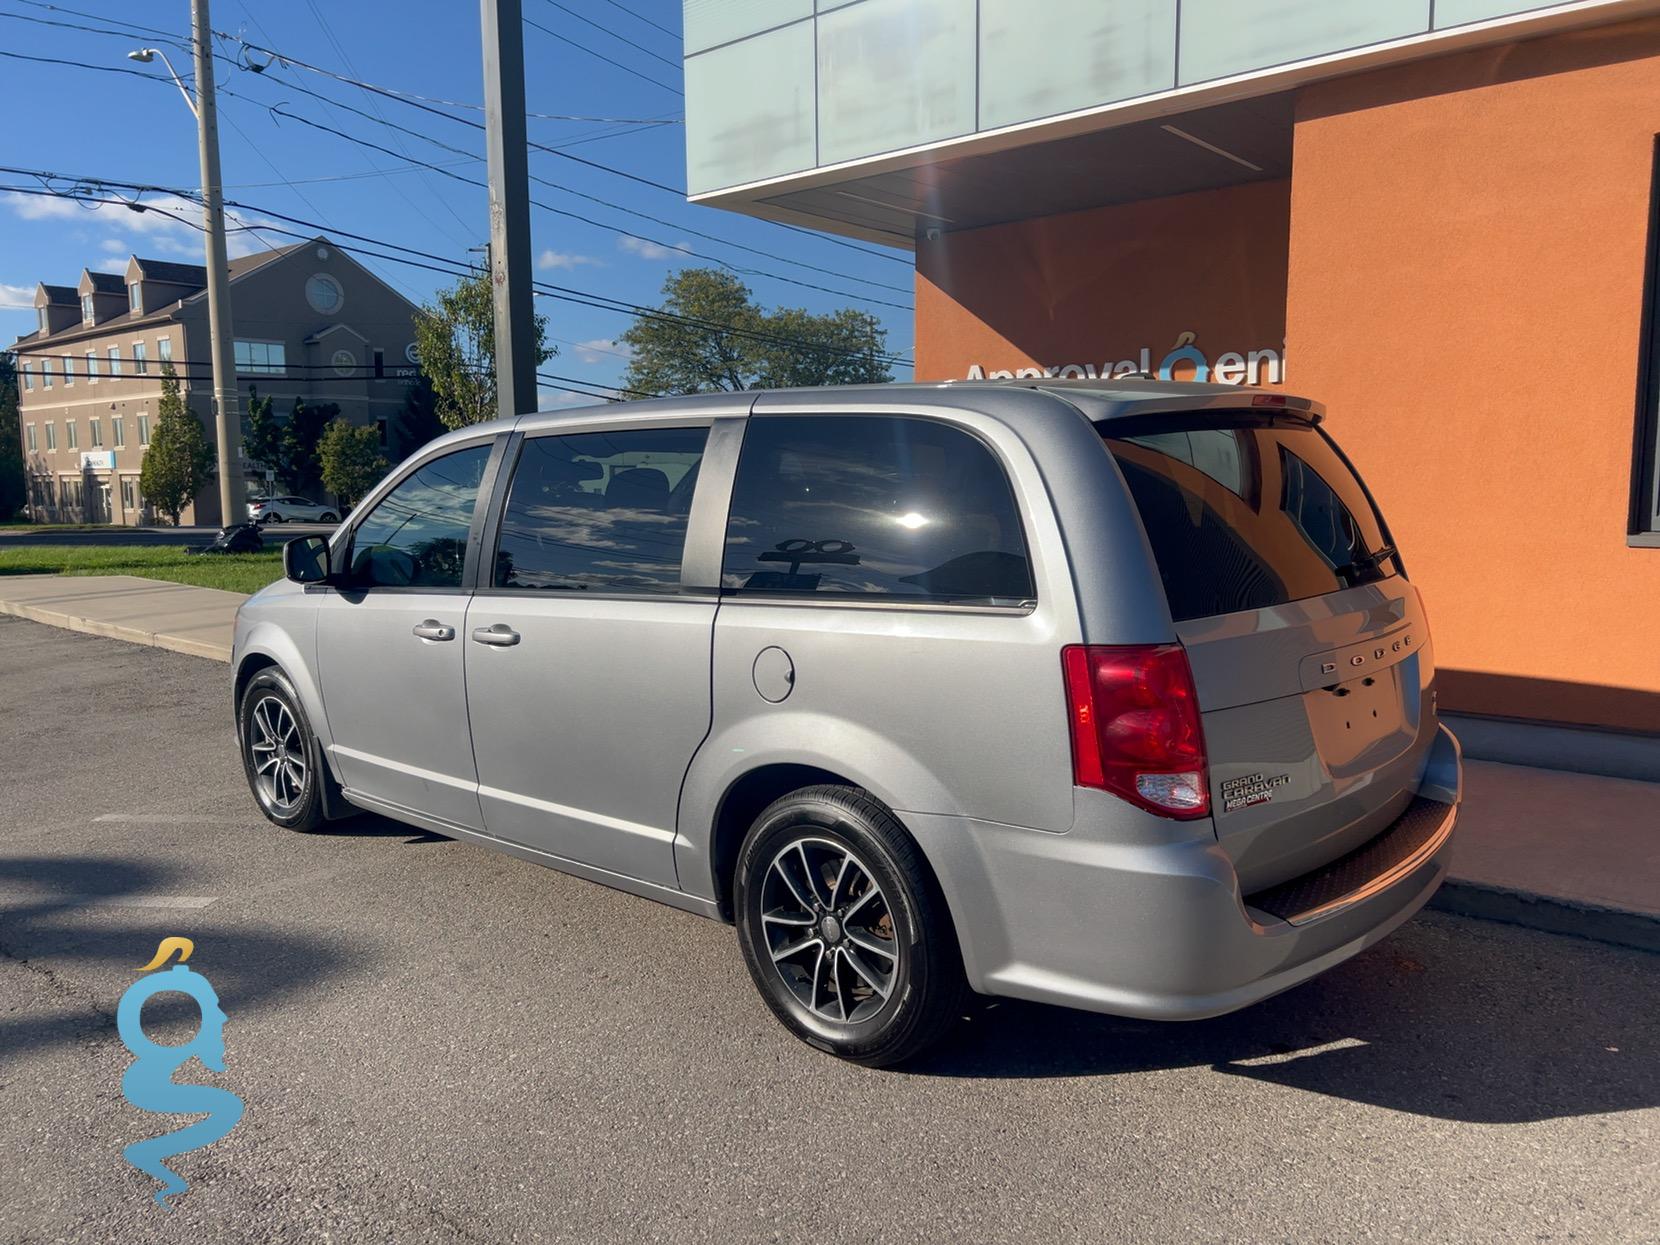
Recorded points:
(280, 756)
(844, 929)
(329, 516)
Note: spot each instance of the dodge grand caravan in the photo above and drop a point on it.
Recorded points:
(1108, 694)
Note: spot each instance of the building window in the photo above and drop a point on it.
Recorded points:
(46, 373)
(45, 321)
(1644, 528)
(28, 377)
(261, 358)
(118, 432)
(380, 431)
(164, 349)
(324, 294)
(380, 365)
(141, 361)
(51, 436)
(87, 316)
(114, 353)
(68, 370)
(92, 367)
(129, 494)
(29, 436)
(135, 299)
(144, 430)
(96, 432)
(70, 440)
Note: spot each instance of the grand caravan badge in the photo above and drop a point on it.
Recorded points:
(1249, 789)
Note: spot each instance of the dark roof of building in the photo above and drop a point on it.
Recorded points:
(247, 263)
(107, 282)
(166, 271)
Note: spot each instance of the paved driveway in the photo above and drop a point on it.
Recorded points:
(436, 1042)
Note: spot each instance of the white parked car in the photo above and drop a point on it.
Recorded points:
(290, 509)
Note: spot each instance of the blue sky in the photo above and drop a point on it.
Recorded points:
(76, 122)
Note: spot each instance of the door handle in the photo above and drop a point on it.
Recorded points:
(500, 635)
(432, 629)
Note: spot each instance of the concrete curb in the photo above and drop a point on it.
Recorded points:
(1552, 914)
(117, 631)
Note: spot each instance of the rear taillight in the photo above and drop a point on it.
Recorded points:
(1135, 726)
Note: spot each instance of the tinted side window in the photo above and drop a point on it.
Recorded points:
(416, 536)
(603, 511)
(862, 505)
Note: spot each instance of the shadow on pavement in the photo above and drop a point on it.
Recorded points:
(1447, 1020)
(70, 909)
(374, 826)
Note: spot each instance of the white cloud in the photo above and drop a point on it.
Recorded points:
(42, 207)
(16, 297)
(602, 350)
(652, 250)
(168, 226)
(563, 259)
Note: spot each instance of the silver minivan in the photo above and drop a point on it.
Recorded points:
(1111, 694)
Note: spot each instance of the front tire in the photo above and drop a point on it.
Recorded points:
(279, 753)
(844, 929)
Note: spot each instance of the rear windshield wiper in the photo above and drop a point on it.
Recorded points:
(1366, 563)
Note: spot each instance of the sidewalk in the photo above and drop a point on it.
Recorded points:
(197, 621)
(1570, 853)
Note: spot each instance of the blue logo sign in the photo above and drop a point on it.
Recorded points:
(148, 1084)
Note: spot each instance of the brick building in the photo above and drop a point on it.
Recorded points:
(309, 320)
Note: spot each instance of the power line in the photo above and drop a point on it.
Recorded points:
(680, 248)
(82, 189)
(635, 13)
(423, 103)
(583, 47)
(379, 118)
(611, 34)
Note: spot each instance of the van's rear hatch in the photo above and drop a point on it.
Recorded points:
(1308, 646)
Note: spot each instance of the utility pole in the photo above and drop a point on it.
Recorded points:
(225, 414)
(509, 163)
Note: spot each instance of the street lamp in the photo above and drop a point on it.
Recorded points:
(145, 55)
(204, 109)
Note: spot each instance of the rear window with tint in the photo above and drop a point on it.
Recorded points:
(1242, 515)
(873, 506)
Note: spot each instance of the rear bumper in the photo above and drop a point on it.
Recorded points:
(1156, 928)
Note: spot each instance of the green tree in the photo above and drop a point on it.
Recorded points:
(418, 422)
(262, 436)
(302, 442)
(455, 339)
(179, 462)
(13, 487)
(352, 460)
(715, 336)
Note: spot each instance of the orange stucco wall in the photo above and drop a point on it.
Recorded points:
(1465, 292)
(1098, 287)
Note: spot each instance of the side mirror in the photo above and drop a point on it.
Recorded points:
(305, 560)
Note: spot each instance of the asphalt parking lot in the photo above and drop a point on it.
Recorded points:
(437, 1042)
